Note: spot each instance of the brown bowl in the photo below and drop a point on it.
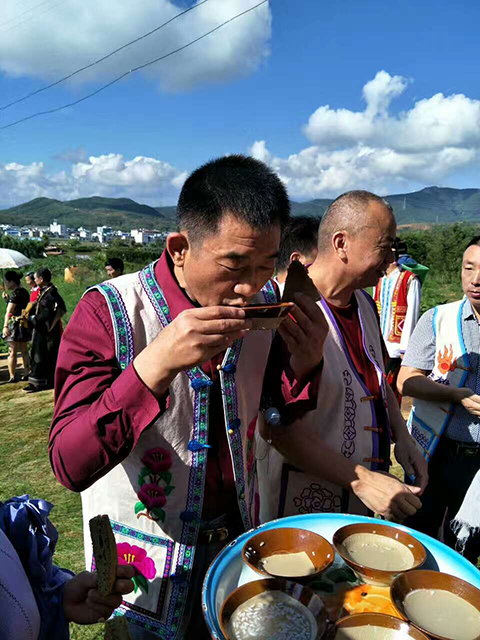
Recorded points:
(380, 620)
(414, 580)
(288, 540)
(369, 574)
(267, 316)
(298, 592)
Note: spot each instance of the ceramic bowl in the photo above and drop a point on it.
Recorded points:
(368, 574)
(295, 590)
(414, 580)
(288, 540)
(357, 620)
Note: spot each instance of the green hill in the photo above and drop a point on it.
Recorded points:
(427, 206)
(119, 213)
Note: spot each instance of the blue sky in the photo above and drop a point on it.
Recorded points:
(333, 95)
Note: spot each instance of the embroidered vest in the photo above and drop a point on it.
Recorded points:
(345, 419)
(428, 420)
(398, 303)
(154, 497)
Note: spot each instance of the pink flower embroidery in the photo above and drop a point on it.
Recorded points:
(157, 459)
(137, 557)
(152, 496)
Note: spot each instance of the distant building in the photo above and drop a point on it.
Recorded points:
(57, 229)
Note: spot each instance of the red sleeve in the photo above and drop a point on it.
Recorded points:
(100, 411)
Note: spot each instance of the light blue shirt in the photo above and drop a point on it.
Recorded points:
(420, 354)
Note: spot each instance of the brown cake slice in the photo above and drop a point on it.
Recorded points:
(117, 629)
(298, 281)
(105, 552)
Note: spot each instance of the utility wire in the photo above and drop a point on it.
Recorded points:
(33, 17)
(126, 73)
(24, 13)
(92, 64)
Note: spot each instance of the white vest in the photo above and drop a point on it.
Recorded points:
(428, 420)
(345, 420)
(174, 452)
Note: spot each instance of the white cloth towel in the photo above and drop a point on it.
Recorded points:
(467, 521)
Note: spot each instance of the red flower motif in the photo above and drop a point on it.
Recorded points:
(157, 459)
(152, 496)
(137, 557)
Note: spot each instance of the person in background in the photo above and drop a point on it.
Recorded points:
(14, 334)
(45, 322)
(158, 388)
(299, 242)
(336, 456)
(114, 267)
(32, 285)
(37, 598)
(397, 295)
(441, 371)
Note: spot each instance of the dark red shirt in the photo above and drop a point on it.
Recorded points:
(101, 412)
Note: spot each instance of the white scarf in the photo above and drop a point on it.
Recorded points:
(467, 521)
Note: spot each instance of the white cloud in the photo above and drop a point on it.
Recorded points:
(48, 44)
(375, 149)
(146, 180)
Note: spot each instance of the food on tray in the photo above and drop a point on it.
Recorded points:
(274, 615)
(378, 552)
(289, 565)
(443, 613)
(105, 553)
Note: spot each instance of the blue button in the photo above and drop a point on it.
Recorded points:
(235, 424)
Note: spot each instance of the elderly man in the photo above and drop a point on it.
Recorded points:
(441, 371)
(159, 379)
(299, 242)
(335, 458)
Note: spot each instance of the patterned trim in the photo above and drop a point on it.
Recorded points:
(198, 466)
(269, 293)
(121, 324)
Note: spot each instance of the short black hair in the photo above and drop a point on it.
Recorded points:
(300, 234)
(12, 276)
(235, 184)
(44, 273)
(30, 274)
(475, 241)
(115, 263)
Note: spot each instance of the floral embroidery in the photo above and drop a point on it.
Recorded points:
(315, 499)
(143, 565)
(154, 482)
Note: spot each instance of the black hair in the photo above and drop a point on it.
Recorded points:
(115, 263)
(44, 273)
(235, 184)
(12, 276)
(30, 274)
(300, 234)
(475, 241)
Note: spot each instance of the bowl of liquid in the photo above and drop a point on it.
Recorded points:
(440, 605)
(273, 608)
(295, 554)
(378, 553)
(375, 626)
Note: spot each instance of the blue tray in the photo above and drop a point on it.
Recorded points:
(228, 571)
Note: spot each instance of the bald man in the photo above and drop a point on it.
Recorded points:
(336, 456)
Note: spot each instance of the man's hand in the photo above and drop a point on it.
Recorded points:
(469, 400)
(84, 605)
(194, 337)
(385, 495)
(412, 461)
(304, 335)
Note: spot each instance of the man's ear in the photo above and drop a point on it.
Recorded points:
(295, 256)
(340, 244)
(177, 247)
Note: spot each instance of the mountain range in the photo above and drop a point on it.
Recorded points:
(427, 206)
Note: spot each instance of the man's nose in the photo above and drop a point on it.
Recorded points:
(251, 284)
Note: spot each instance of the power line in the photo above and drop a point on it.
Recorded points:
(126, 73)
(92, 64)
(33, 17)
(24, 13)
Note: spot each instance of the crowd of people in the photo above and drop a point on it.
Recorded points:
(163, 391)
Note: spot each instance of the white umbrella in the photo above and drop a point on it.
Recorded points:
(11, 259)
